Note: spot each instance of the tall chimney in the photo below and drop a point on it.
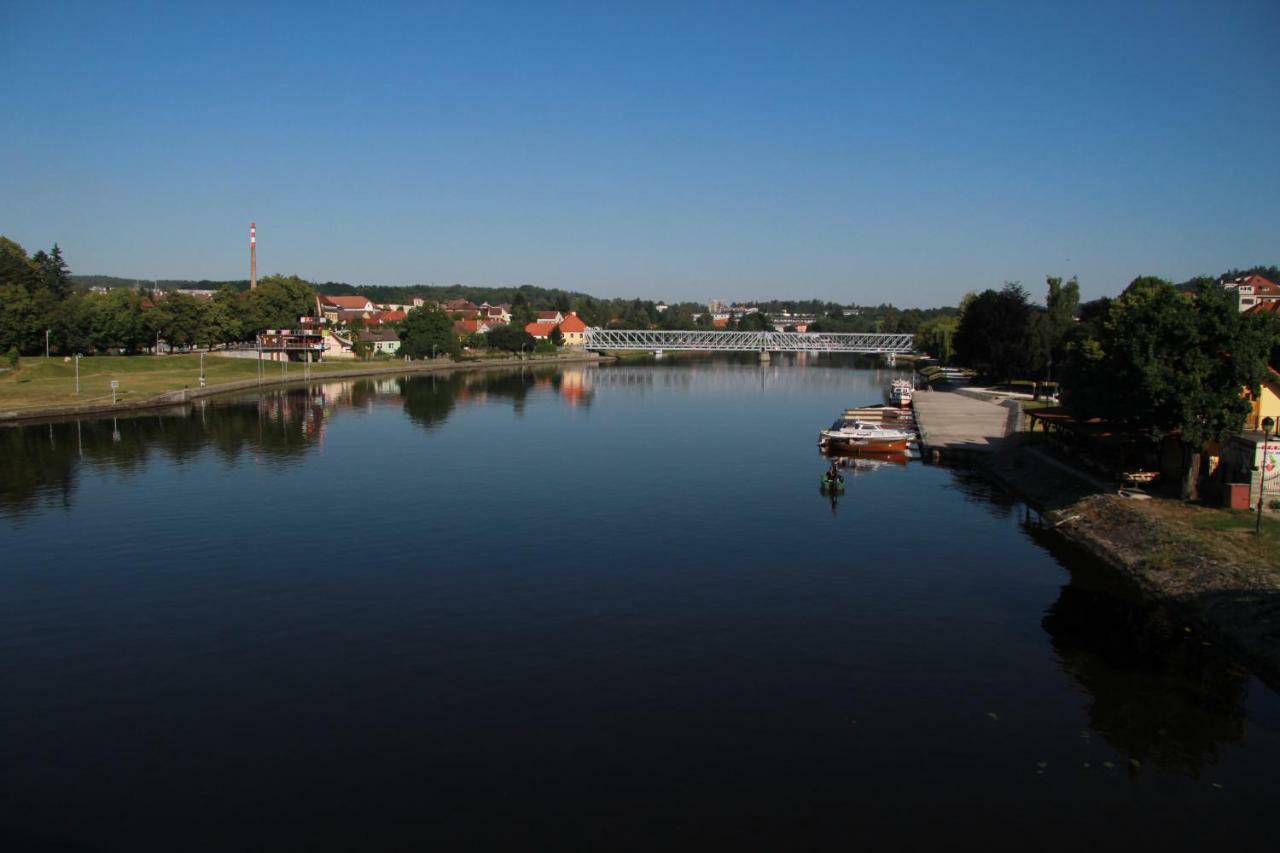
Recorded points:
(253, 255)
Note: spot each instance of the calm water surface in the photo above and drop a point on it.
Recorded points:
(600, 607)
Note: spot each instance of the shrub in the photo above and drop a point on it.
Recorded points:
(12, 357)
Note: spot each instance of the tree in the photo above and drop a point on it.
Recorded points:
(1167, 364)
(224, 318)
(994, 335)
(20, 317)
(521, 313)
(278, 302)
(178, 318)
(1054, 327)
(557, 336)
(16, 267)
(935, 336)
(511, 339)
(54, 274)
(427, 332)
(755, 322)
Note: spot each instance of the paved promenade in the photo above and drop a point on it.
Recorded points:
(952, 422)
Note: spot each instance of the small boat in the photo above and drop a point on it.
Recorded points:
(900, 392)
(855, 435)
(829, 484)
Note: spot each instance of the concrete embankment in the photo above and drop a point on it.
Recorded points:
(1220, 580)
(952, 423)
(184, 395)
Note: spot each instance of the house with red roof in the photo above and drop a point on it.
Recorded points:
(337, 309)
(574, 330)
(466, 328)
(1253, 290)
(540, 331)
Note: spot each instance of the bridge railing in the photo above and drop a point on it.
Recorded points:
(725, 341)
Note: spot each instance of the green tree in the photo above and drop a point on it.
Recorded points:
(278, 301)
(994, 336)
(935, 336)
(54, 274)
(1167, 364)
(511, 339)
(224, 318)
(521, 312)
(178, 318)
(557, 336)
(428, 331)
(20, 319)
(16, 267)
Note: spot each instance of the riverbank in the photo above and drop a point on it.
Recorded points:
(274, 379)
(1205, 562)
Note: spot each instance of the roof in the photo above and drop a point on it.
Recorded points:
(1272, 307)
(379, 335)
(469, 327)
(539, 330)
(461, 305)
(720, 322)
(351, 303)
(549, 316)
(391, 316)
(572, 323)
(464, 313)
(1261, 285)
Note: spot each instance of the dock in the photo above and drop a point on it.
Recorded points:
(952, 423)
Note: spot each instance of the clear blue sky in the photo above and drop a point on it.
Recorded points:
(858, 152)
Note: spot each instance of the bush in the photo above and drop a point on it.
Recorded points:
(1275, 504)
(12, 357)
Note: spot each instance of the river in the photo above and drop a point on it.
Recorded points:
(600, 606)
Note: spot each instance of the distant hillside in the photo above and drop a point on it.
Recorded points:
(537, 296)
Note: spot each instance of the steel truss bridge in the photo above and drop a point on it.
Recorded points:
(868, 343)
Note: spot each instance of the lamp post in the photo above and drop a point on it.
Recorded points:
(46, 342)
(1267, 424)
(201, 370)
(77, 374)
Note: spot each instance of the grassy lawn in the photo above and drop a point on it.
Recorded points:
(1236, 526)
(38, 383)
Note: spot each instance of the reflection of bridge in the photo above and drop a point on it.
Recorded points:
(625, 339)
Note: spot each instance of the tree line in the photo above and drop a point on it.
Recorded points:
(38, 296)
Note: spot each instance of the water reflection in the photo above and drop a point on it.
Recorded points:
(1159, 692)
(41, 461)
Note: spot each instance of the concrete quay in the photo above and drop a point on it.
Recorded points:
(951, 423)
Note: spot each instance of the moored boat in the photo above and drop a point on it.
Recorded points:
(856, 435)
(900, 392)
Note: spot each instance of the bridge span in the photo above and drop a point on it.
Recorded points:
(869, 343)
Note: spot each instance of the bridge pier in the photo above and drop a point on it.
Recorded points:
(764, 356)
(891, 358)
(657, 354)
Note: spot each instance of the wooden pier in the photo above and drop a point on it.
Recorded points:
(953, 424)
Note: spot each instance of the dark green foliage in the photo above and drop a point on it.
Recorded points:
(278, 302)
(995, 334)
(12, 357)
(511, 339)
(756, 322)
(1166, 363)
(557, 337)
(428, 331)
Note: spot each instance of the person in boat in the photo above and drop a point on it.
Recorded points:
(833, 473)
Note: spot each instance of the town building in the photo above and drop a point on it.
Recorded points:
(386, 341)
(465, 328)
(1253, 290)
(552, 317)
(574, 331)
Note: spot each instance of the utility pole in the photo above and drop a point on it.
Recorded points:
(253, 255)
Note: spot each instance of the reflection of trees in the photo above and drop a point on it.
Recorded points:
(429, 400)
(41, 462)
(977, 488)
(1159, 693)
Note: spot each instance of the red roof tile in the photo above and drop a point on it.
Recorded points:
(572, 323)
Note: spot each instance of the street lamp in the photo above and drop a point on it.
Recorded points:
(1267, 424)
(46, 342)
(77, 374)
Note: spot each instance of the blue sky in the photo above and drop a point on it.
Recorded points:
(860, 152)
